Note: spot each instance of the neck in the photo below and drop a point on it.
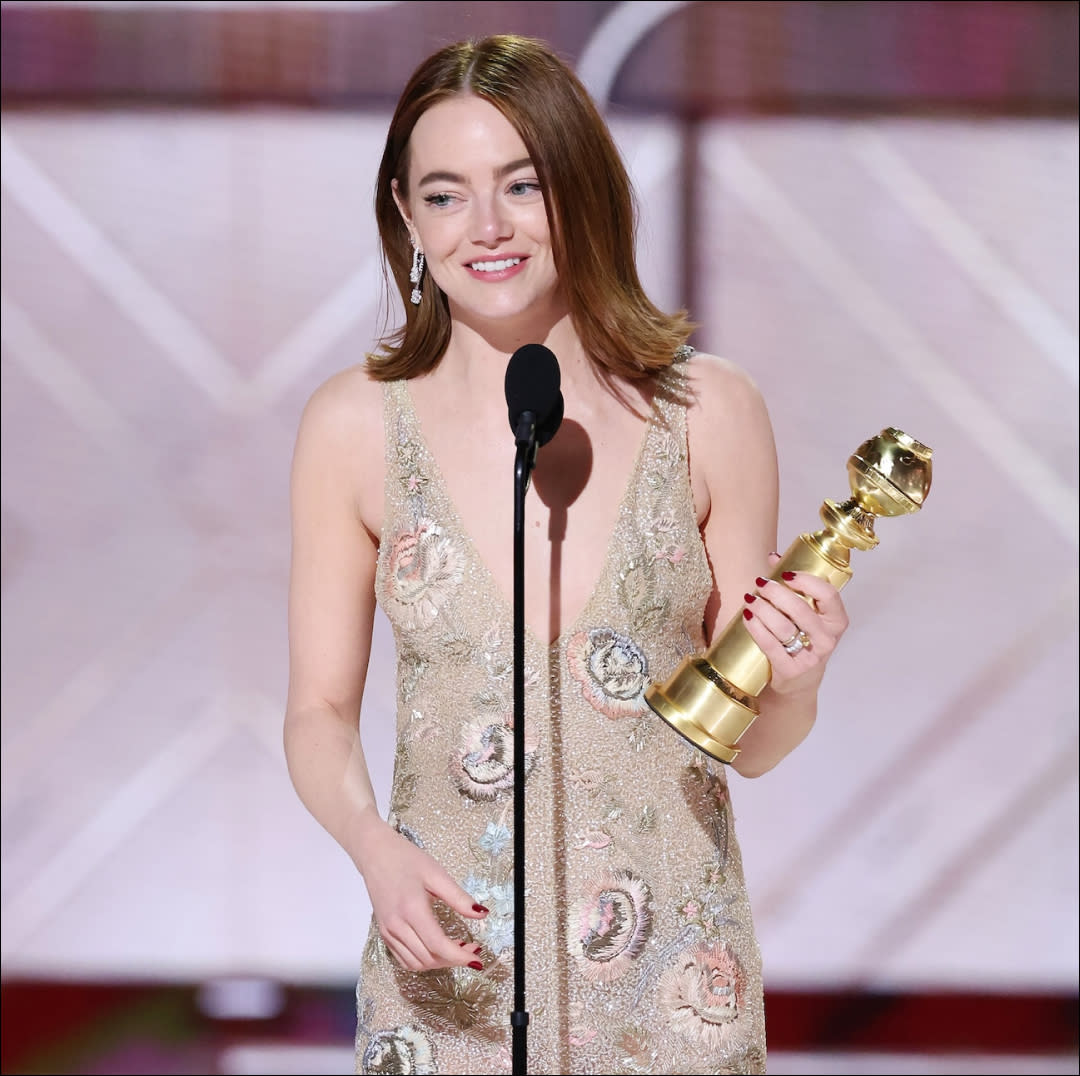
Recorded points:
(480, 357)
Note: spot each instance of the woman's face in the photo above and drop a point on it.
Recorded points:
(476, 210)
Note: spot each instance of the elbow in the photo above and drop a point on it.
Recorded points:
(750, 767)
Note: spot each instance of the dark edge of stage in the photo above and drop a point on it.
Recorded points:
(54, 1026)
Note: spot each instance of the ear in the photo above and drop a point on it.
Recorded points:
(403, 209)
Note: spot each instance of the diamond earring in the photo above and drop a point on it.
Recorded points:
(416, 274)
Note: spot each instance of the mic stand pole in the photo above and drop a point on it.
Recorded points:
(524, 461)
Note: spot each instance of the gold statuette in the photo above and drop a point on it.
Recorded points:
(711, 697)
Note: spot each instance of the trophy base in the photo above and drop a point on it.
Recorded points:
(697, 690)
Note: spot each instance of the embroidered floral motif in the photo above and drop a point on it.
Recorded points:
(483, 766)
(580, 1032)
(453, 999)
(641, 596)
(424, 565)
(405, 781)
(636, 1048)
(495, 838)
(706, 910)
(610, 924)
(399, 1049)
(702, 996)
(496, 931)
(612, 670)
(706, 795)
(410, 473)
(411, 670)
(595, 838)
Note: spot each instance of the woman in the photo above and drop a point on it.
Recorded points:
(506, 218)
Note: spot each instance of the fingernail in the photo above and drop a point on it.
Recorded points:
(747, 615)
(462, 944)
(479, 908)
(476, 965)
(787, 575)
(760, 582)
(749, 598)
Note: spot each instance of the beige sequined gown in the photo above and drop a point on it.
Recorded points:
(640, 953)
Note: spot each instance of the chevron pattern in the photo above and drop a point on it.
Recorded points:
(175, 284)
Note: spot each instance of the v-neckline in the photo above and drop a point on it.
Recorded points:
(466, 536)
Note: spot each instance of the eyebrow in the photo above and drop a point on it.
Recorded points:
(454, 177)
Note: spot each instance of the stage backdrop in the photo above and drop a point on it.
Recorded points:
(871, 206)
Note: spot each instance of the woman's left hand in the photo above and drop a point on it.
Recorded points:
(796, 623)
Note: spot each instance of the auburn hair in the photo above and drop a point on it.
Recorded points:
(591, 209)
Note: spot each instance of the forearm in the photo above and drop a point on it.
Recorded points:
(782, 724)
(328, 769)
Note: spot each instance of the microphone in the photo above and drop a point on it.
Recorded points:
(534, 402)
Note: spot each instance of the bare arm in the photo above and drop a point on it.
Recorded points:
(336, 503)
(734, 444)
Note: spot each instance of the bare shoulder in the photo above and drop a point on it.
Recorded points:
(339, 442)
(726, 401)
(345, 408)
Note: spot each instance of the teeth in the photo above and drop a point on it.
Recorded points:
(494, 267)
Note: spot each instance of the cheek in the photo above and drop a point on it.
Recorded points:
(437, 239)
(539, 227)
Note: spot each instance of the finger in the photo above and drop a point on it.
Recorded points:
(786, 665)
(768, 625)
(441, 886)
(405, 946)
(823, 597)
(420, 944)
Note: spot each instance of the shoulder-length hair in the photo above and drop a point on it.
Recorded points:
(587, 193)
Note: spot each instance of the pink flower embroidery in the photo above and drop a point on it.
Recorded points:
(610, 924)
(424, 566)
(703, 996)
(484, 764)
(399, 1049)
(582, 1036)
(612, 670)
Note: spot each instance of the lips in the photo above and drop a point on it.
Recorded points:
(494, 265)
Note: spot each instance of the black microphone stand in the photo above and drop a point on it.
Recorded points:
(524, 461)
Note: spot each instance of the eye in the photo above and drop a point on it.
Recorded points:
(524, 186)
(439, 200)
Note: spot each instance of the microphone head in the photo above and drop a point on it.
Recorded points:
(532, 384)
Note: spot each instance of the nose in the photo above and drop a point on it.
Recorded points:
(490, 222)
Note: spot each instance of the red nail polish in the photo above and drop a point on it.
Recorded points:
(476, 965)
(760, 582)
(479, 908)
(747, 615)
(463, 944)
(787, 575)
(749, 598)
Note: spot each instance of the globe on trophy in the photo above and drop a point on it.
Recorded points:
(712, 697)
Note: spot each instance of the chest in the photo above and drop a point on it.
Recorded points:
(603, 495)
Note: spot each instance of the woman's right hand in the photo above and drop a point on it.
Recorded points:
(402, 881)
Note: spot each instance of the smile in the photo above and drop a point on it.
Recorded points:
(494, 267)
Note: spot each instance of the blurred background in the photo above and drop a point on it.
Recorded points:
(873, 207)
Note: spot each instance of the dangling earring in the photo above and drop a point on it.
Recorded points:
(416, 273)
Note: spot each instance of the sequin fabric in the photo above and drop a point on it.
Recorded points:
(640, 954)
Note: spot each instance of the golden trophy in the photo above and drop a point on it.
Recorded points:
(711, 697)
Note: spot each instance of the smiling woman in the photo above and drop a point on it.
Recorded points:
(506, 218)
